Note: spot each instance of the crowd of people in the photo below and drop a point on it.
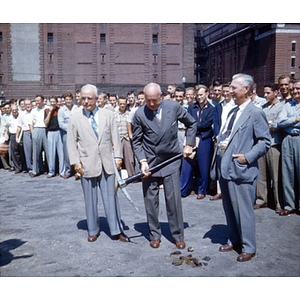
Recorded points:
(264, 147)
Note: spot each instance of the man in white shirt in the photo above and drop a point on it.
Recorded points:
(39, 138)
(15, 148)
(23, 130)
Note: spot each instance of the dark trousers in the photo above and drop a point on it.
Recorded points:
(203, 160)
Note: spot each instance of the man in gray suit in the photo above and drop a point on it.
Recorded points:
(242, 140)
(92, 139)
(154, 141)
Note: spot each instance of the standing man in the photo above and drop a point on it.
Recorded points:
(39, 138)
(220, 115)
(202, 111)
(24, 123)
(121, 116)
(190, 95)
(131, 101)
(217, 92)
(63, 119)
(15, 147)
(269, 164)
(284, 85)
(55, 145)
(92, 139)
(154, 141)
(113, 101)
(179, 97)
(243, 139)
(257, 101)
(289, 120)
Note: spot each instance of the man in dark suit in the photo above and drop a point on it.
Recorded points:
(242, 140)
(154, 141)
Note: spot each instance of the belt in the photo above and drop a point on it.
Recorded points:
(222, 148)
(181, 129)
(292, 134)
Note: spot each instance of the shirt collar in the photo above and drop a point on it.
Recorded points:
(88, 113)
(242, 106)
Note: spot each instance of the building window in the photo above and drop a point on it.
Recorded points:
(1, 57)
(155, 39)
(292, 75)
(50, 38)
(293, 46)
(103, 58)
(293, 61)
(51, 79)
(102, 38)
(154, 77)
(50, 58)
(1, 37)
(103, 78)
(1, 79)
(155, 59)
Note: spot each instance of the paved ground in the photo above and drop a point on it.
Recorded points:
(43, 234)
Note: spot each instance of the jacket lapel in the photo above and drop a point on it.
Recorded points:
(101, 122)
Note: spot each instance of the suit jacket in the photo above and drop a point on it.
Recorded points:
(251, 137)
(94, 153)
(157, 143)
(204, 123)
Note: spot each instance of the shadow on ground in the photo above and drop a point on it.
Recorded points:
(5, 247)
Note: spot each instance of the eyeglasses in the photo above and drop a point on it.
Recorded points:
(87, 99)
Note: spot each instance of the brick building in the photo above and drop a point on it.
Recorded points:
(264, 51)
(55, 58)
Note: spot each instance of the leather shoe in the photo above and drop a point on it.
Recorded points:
(245, 256)
(229, 247)
(216, 197)
(180, 244)
(200, 196)
(278, 210)
(77, 177)
(286, 212)
(33, 175)
(93, 238)
(49, 176)
(258, 206)
(18, 171)
(154, 243)
(121, 237)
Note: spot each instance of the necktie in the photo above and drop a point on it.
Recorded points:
(157, 116)
(233, 113)
(94, 124)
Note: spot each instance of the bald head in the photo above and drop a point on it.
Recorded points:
(152, 95)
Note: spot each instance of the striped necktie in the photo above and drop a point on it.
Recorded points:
(233, 113)
(94, 124)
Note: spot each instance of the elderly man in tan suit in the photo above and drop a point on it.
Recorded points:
(92, 139)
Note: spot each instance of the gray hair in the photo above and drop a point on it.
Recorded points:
(247, 80)
(91, 86)
(159, 88)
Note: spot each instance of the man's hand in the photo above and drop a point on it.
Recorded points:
(78, 169)
(144, 168)
(187, 150)
(297, 119)
(118, 163)
(3, 149)
(241, 158)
